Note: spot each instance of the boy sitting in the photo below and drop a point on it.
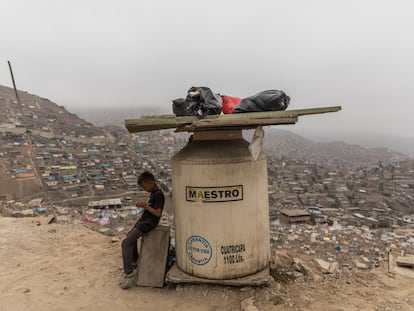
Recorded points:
(148, 221)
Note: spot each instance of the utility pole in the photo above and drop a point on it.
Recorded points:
(14, 83)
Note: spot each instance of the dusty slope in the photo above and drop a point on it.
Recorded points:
(70, 267)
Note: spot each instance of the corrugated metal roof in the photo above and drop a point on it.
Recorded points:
(105, 202)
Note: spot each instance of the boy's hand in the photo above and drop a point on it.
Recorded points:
(144, 205)
(141, 204)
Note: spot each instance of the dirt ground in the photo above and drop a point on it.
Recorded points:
(70, 267)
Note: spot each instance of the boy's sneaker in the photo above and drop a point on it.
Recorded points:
(129, 280)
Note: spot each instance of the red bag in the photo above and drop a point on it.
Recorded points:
(229, 103)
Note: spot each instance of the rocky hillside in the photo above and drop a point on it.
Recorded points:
(37, 138)
(44, 147)
(39, 114)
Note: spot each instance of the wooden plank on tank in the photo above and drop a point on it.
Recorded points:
(151, 123)
(210, 123)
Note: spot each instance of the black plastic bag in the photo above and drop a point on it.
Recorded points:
(180, 107)
(270, 100)
(202, 101)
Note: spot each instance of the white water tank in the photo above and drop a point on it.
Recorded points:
(220, 195)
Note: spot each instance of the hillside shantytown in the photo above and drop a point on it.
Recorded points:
(344, 206)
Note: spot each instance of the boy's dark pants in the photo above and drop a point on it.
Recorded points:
(130, 249)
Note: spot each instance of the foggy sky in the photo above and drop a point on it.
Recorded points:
(357, 54)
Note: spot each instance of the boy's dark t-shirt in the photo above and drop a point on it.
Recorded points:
(148, 221)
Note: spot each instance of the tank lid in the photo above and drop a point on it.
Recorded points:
(218, 135)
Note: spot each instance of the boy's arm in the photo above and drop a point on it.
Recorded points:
(154, 211)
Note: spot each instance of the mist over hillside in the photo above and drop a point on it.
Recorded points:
(116, 116)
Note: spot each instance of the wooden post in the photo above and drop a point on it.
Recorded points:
(14, 83)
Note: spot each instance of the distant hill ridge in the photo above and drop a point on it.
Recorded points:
(283, 143)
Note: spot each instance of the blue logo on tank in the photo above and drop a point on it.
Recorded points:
(199, 250)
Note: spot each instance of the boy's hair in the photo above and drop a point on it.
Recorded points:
(145, 177)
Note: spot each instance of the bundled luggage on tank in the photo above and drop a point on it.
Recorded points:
(200, 101)
(229, 103)
(270, 100)
(180, 107)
